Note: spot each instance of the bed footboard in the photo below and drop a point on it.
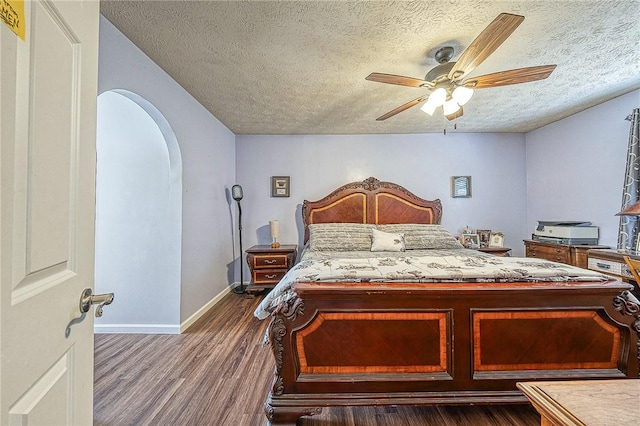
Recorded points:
(451, 343)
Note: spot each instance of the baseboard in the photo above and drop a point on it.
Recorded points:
(136, 329)
(160, 328)
(193, 318)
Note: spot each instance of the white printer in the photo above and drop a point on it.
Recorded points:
(566, 232)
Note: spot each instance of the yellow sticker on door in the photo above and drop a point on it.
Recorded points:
(12, 14)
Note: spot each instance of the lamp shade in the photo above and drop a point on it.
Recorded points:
(437, 97)
(274, 227)
(632, 210)
(428, 107)
(450, 107)
(462, 95)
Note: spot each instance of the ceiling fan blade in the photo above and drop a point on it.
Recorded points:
(485, 44)
(455, 115)
(505, 78)
(398, 79)
(402, 108)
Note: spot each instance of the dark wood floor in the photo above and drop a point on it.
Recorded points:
(218, 373)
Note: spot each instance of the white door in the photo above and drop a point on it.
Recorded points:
(48, 85)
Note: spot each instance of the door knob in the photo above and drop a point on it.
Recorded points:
(87, 298)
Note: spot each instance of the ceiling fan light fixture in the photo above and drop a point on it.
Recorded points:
(448, 89)
(428, 107)
(450, 107)
(438, 97)
(462, 94)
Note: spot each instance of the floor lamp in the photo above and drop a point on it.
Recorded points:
(236, 193)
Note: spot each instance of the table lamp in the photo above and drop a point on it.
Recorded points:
(274, 227)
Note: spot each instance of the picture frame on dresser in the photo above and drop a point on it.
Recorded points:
(484, 235)
(496, 239)
(471, 240)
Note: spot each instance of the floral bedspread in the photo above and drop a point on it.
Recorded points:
(454, 265)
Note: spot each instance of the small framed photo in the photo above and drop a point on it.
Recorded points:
(460, 186)
(280, 186)
(497, 239)
(484, 235)
(470, 241)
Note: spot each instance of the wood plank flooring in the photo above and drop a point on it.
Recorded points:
(218, 373)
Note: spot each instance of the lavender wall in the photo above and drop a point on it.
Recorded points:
(575, 167)
(422, 163)
(208, 161)
(571, 169)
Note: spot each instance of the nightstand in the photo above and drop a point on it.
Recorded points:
(268, 265)
(496, 251)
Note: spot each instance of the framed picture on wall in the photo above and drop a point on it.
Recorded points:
(280, 186)
(460, 186)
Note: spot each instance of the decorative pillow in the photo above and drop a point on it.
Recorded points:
(419, 236)
(340, 236)
(385, 241)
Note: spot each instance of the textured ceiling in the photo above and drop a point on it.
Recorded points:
(299, 67)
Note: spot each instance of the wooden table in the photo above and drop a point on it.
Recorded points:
(585, 402)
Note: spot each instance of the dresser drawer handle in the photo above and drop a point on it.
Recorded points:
(270, 276)
(270, 261)
(603, 266)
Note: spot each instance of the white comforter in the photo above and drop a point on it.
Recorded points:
(454, 265)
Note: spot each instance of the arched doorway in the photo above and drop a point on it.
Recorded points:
(138, 216)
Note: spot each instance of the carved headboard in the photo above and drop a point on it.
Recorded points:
(370, 201)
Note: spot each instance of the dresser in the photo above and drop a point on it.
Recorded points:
(268, 265)
(575, 255)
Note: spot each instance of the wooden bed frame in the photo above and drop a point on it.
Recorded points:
(346, 344)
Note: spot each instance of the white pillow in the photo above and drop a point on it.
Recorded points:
(386, 241)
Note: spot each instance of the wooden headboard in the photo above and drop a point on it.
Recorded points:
(370, 201)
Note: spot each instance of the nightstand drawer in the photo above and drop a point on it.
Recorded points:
(607, 266)
(270, 261)
(263, 276)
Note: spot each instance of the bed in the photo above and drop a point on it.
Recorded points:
(448, 326)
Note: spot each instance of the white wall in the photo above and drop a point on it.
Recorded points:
(208, 160)
(138, 219)
(423, 164)
(575, 167)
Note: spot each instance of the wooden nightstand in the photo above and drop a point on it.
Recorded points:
(496, 251)
(268, 265)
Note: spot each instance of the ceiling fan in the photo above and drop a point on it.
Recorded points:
(449, 84)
